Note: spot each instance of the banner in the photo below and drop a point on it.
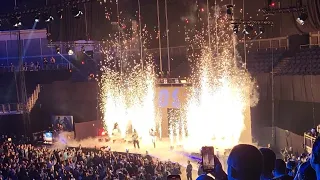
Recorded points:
(63, 123)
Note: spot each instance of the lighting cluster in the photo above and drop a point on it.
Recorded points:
(69, 47)
(250, 25)
(302, 11)
(69, 50)
(43, 14)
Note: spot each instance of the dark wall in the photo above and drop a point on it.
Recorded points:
(78, 99)
(294, 116)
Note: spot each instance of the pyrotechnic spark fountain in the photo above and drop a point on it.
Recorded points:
(127, 91)
(221, 92)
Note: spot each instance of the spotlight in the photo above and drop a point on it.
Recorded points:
(261, 30)
(69, 50)
(16, 21)
(302, 18)
(48, 18)
(229, 9)
(83, 50)
(271, 3)
(37, 17)
(247, 29)
(60, 13)
(76, 12)
(235, 28)
(57, 49)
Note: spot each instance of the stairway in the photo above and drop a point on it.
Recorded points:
(18, 108)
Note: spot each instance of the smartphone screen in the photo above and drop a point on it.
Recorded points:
(207, 153)
(174, 177)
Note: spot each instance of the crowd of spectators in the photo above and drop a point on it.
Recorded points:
(35, 66)
(25, 161)
(19, 160)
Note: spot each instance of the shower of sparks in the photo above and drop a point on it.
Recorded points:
(222, 89)
(127, 84)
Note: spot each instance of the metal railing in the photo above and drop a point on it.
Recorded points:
(11, 108)
(42, 67)
(33, 99)
(308, 142)
(306, 46)
(19, 108)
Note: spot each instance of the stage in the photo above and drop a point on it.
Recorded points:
(162, 151)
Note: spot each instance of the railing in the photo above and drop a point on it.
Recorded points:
(33, 99)
(18, 108)
(12, 108)
(309, 46)
(280, 42)
(308, 142)
(314, 38)
(43, 67)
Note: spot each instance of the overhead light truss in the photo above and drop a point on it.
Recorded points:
(272, 11)
(251, 22)
(47, 8)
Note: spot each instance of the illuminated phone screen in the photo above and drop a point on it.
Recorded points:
(207, 153)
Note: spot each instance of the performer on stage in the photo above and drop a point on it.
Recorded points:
(116, 134)
(153, 137)
(135, 139)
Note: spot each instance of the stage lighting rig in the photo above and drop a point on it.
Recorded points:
(302, 18)
(69, 51)
(252, 22)
(77, 13)
(57, 49)
(235, 29)
(60, 13)
(83, 49)
(16, 21)
(272, 11)
(261, 30)
(48, 18)
(247, 29)
(37, 17)
(230, 10)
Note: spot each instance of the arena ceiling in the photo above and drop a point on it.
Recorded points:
(284, 24)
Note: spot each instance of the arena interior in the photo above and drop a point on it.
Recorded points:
(137, 89)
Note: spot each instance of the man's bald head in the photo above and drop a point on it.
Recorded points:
(245, 162)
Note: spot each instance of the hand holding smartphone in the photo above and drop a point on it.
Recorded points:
(207, 153)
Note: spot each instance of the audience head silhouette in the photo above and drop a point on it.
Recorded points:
(315, 157)
(269, 158)
(204, 177)
(279, 171)
(305, 172)
(244, 162)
